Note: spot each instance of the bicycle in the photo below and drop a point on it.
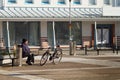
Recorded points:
(55, 57)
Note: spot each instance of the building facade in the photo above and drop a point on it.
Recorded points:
(94, 22)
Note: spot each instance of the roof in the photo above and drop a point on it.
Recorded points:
(50, 12)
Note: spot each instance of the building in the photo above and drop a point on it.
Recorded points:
(93, 22)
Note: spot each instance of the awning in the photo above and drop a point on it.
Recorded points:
(56, 13)
(50, 12)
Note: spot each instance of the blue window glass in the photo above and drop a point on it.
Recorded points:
(1, 4)
(107, 2)
(28, 30)
(12, 1)
(61, 2)
(77, 2)
(92, 2)
(118, 3)
(45, 2)
(29, 1)
(62, 32)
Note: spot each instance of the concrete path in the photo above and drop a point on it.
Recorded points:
(106, 63)
(92, 61)
(21, 75)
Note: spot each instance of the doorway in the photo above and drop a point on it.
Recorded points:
(104, 35)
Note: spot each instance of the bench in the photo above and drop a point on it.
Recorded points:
(117, 49)
(86, 50)
(100, 49)
(9, 57)
(110, 49)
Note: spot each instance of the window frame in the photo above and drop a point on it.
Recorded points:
(107, 3)
(13, 27)
(117, 3)
(77, 2)
(91, 2)
(45, 2)
(61, 2)
(12, 1)
(62, 32)
(28, 1)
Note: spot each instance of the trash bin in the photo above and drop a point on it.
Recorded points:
(72, 47)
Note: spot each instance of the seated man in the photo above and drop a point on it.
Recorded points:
(26, 52)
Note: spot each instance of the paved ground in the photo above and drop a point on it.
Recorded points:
(80, 67)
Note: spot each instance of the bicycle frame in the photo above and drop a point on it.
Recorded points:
(55, 57)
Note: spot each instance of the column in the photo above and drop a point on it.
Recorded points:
(95, 44)
(8, 37)
(43, 38)
(1, 36)
(54, 38)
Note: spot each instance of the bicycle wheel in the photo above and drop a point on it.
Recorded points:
(44, 58)
(57, 57)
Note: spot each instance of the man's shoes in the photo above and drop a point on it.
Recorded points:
(51, 57)
(28, 63)
(32, 61)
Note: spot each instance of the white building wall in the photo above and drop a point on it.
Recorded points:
(107, 11)
(53, 3)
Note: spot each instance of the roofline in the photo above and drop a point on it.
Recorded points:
(59, 19)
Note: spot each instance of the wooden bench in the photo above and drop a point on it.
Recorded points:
(9, 57)
(100, 49)
(12, 59)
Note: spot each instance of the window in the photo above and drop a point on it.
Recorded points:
(77, 2)
(1, 4)
(61, 1)
(29, 1)
(92, 2)
(107, 2)
(116, 3)
(45, 1)
(113, 3)
(62, 32)
(20, 30)
(11, 1)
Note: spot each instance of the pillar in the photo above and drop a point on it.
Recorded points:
(43, 38)
(1, 36)
(95, 43)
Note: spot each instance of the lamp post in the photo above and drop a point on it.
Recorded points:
(70, 34)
